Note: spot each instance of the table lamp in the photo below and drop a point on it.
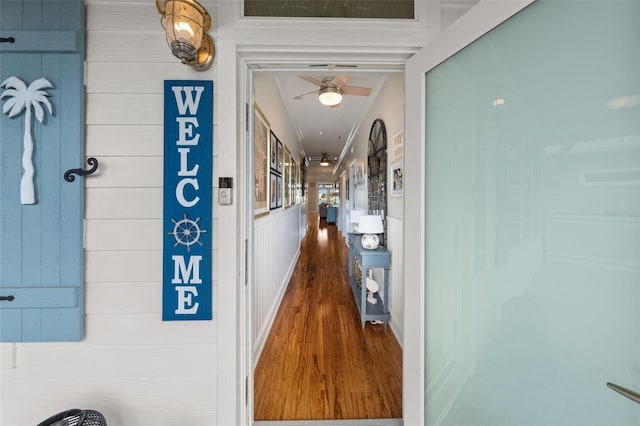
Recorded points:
(354, 218)
(370, 226)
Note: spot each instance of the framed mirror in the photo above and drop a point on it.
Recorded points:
(377, 169)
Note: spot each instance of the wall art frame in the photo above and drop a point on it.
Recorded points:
(397, 176)
(273, 151)
(261, 136)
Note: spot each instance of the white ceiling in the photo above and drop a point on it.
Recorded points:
(324, 129)
(321, 128)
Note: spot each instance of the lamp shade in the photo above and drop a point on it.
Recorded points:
(370, 224)
(330, 96)
(356, 214)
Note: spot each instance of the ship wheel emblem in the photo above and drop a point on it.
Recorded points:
(186, 232)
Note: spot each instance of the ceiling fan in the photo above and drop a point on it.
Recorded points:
(325, 160)
(332, 89)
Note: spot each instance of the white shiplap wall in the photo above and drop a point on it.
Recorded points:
(131, 366)
(277, 247)
(395, 243)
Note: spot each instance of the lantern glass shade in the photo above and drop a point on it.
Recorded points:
(185, 23)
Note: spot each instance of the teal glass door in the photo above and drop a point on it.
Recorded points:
(532, 168)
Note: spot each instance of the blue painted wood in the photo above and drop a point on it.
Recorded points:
(41, 297)
(41, 41)
(187, 281)
(332, 212)
(41, 259)
(11, 15)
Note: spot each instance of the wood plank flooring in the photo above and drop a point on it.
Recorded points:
(318, 362)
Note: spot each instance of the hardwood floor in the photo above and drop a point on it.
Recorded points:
(318, 362)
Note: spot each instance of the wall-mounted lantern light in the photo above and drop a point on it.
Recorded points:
(186, 23)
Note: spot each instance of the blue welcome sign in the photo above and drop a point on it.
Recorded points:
(187, 269)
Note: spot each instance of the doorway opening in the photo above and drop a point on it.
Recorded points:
(262, 307)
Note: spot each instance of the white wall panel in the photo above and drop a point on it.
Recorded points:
(124, 234)
(110, 77)
(124, 140)
(130, 360)
(123, 298)
(123, 400)
(394, 242)
(114, 330)
(103, 108)
(277, 246)
(123, 266)
(140, 16)
(127, 172)
(112, 46)
(123, 203)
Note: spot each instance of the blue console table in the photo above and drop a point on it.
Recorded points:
(367, 259)
(332, 214)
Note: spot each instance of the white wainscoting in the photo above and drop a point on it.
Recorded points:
(276, 250)
(395, 242)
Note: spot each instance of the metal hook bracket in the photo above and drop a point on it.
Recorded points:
(69, 174)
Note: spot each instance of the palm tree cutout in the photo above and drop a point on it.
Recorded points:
(23, 98)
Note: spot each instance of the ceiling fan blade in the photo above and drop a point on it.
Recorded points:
(355, 90)
(297, 98)
(312, 80)
(340, 80)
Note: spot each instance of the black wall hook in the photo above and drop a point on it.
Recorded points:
(8, 298)
(69, 174)
(7, 40)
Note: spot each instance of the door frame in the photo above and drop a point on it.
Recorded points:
(250, 62)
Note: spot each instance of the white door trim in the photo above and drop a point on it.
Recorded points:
(249, 60)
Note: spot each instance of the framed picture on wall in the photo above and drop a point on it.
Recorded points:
(303, 178)
(397, 183)
(398, 145)
(273, 152)
(292, 183)
(273, 192)
(286, 178)
(261, 133)
(278, 191)
(279, 158)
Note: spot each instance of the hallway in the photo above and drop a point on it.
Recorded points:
(318, 363)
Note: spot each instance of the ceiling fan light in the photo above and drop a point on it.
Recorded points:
(330, 96)
(324, 161)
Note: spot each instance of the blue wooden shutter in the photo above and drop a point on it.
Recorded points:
(41, 258)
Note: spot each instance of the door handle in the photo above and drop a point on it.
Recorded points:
(8, 298)
(634, 396)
